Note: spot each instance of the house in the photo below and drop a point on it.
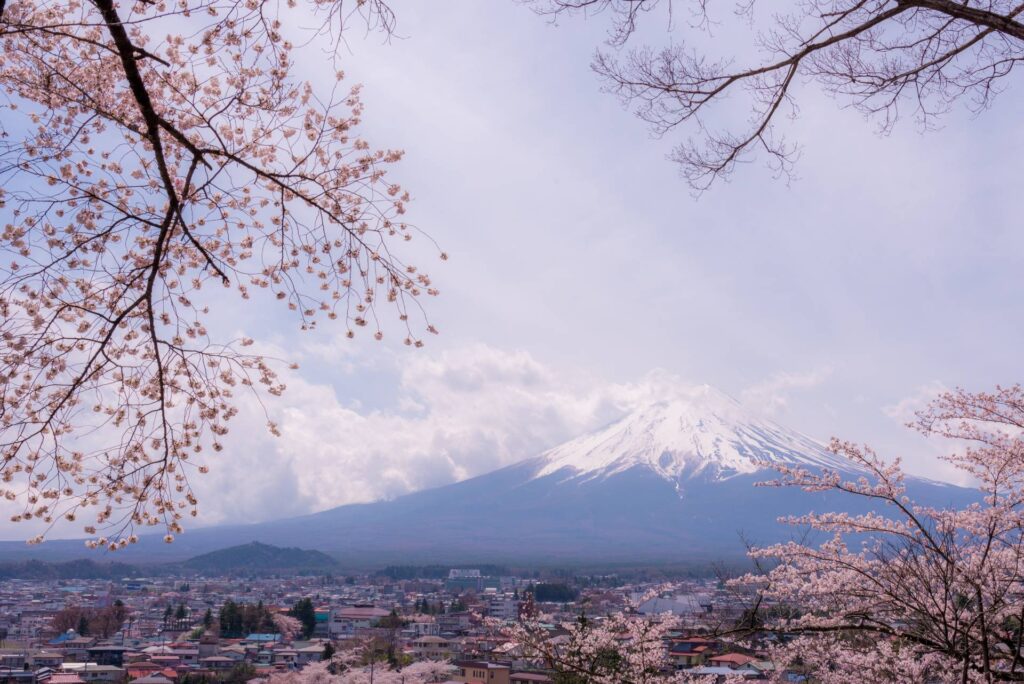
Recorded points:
(424, 627)
(691, 652)
(163, 661)
(530, 678)
(236, 652)
(724, 674)
(64, 678)
(312, 653)
(482, 672)
(454, 622)
(15, 676)
(153, 679)
(346, 620)
(262, 638)
(141, 669)
(107, 655)
(217, 663)
(431, 648)
(284, 656)
(76, 648)
(208, 646)
(323, 620)
(63, 638)
(46, 659)
(503, 607)
(93, 672)
(13, 660)
(464, 580)
(731, 660)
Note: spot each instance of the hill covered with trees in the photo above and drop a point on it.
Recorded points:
(257, 557)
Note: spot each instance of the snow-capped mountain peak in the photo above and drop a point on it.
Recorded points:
(696, 430)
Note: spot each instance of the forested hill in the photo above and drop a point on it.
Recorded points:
(257, 557)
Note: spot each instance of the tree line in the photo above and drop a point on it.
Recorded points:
(91, 621)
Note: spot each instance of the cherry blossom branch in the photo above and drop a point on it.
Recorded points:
(148, 165)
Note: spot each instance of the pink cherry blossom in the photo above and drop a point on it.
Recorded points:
(148, 152)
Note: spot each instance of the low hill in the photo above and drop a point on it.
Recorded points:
(256, 557)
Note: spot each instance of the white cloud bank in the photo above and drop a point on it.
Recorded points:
(459, 414)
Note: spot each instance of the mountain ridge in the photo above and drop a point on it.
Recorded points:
(672, 481)
(253, 558)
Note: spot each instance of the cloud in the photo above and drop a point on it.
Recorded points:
(458, 414)
(905, 409)
(928, 452)
(771, 396)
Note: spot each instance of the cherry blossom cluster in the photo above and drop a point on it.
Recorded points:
(148, 151)
(619, 648)
(613, 649)
(287, 626)
(337, 672)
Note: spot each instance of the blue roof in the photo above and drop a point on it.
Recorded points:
(263, 637)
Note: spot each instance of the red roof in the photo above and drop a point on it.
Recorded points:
(65, 678)
(733, 659)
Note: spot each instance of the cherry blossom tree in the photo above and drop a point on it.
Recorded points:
(151, 153)
(887, 58)
(287, 626)
(321, 673)
(622, 648)
(910, 592)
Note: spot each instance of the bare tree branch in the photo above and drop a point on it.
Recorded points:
(878, 54)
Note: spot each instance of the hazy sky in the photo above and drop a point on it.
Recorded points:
(584, 274)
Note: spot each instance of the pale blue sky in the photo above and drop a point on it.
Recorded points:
(581, 263)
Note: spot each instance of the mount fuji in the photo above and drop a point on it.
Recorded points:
(672, 481)
(700, 432)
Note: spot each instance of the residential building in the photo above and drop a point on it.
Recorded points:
(346, 620)
(482, 672)
(431, 648)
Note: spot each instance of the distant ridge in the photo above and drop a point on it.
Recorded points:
(79, 569)
(253, 558)
(257, 557)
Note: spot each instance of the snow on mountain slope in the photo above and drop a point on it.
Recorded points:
(699, 431)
